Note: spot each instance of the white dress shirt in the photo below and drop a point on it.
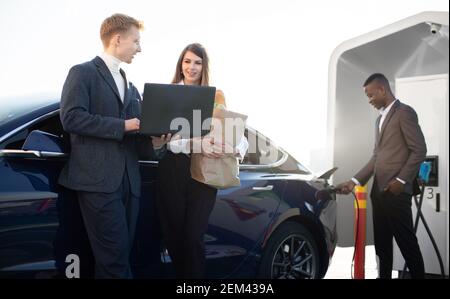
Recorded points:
(384, 112)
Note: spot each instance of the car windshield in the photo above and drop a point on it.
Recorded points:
(14, 107)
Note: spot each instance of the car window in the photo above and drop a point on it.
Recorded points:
(17, 107)
(261, 150)
(51, 124)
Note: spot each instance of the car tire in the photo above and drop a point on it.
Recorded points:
(290, 253)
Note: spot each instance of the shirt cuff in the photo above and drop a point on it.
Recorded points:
(179, 146)
(242, 148)
(355, 181)
(401, 181)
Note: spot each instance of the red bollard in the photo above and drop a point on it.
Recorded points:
(360, 231)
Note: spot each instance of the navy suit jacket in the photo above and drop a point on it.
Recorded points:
(93, 114)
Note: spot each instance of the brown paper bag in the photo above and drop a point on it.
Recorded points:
(227, 127)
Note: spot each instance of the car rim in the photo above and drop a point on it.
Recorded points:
(294, 259)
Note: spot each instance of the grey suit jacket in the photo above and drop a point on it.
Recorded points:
(399, 149)
(93, 114)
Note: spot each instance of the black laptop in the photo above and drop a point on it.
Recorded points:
(175, 108)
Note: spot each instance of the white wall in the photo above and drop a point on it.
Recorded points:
(270, 57)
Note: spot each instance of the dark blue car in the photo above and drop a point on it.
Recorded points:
(272, 226)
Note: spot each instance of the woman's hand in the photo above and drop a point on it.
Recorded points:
(212, 149)
(208, 148)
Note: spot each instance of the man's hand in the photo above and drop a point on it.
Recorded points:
(395, 187)
(345, 188)
(132, 125)
(159, 142)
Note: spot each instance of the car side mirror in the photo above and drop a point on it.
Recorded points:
(39, 144)
(44, 142)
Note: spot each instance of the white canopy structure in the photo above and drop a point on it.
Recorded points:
(414, 55)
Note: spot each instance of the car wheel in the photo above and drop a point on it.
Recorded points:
(290, 253)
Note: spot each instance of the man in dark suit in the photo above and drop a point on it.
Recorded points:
(399, 150)
(100, 110)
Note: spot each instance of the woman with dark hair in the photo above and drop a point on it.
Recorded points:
(184, 204)
(196, 73)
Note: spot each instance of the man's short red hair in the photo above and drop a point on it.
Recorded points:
(117, 23)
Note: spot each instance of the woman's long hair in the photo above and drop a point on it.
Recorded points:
(200, 51)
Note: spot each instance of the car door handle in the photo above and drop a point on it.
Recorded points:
(30, 154)
(266, 188)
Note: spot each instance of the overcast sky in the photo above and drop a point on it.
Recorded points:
(269, 57)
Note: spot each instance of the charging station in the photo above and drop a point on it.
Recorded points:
(414, 54)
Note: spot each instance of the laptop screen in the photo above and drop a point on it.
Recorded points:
(173, 108)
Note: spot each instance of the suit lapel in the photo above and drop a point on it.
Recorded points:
(106, 74)
(126, 99)
(377, 129)
(387, 119)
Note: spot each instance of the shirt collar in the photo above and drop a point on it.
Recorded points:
(385, 111)
(111, 62)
